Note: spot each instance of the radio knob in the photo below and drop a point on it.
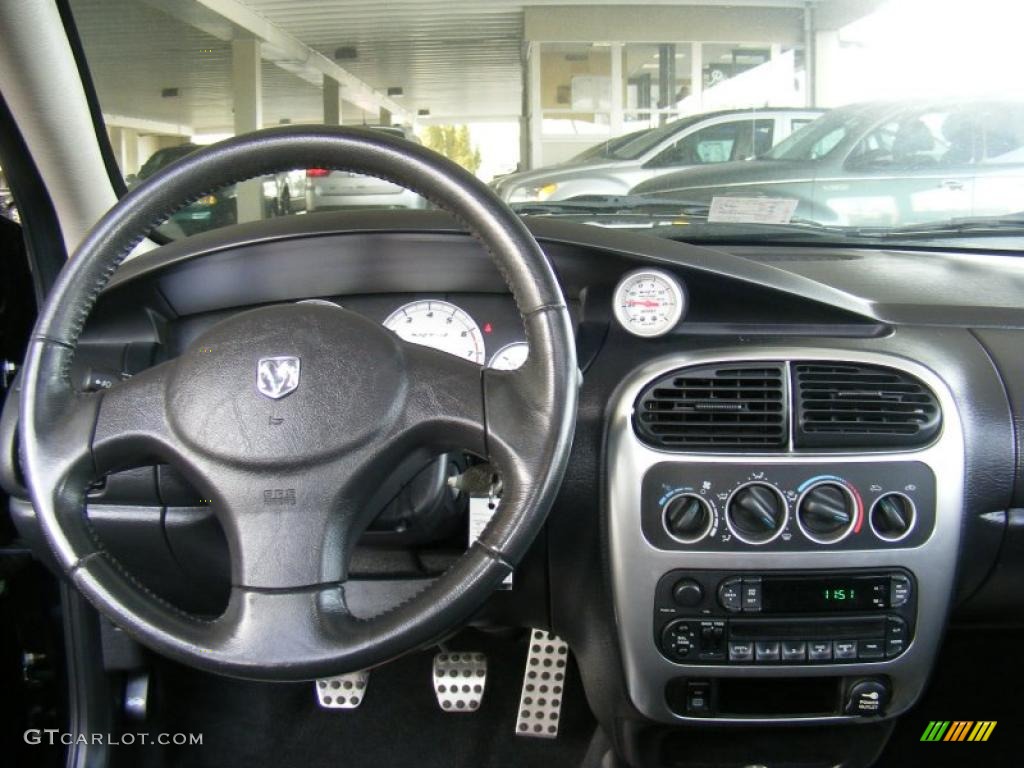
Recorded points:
(687, 592)
(756, 513)
(826, 512)
(687, 517)
(892, 516)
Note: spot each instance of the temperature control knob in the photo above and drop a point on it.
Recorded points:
(826, 512)
(892, 516)
(756, 513)
(687, 517)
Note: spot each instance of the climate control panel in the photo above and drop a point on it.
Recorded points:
(796, 507)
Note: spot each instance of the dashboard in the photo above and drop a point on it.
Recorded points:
(791, 468)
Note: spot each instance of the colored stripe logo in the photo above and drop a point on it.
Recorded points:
(958, 730)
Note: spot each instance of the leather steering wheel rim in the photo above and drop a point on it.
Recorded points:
(287, 618)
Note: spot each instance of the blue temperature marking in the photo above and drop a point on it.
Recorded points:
(682, 489)
(818, 479)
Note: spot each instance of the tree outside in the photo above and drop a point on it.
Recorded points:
(453, 142)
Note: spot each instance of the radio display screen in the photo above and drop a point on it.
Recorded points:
(825, 594)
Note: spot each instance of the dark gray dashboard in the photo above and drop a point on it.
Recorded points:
(956, 319)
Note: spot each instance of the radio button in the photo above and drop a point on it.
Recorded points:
(751, 595)
(871, 649)
(794, 650)
(844, 649)
(899, 591)
(894, 647)
(819, 650)
(740, 651)
(712, 640)
(895, 628)
(766, 650)
(679, 639)
(730, 595)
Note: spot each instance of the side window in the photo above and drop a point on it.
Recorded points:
(827, 143)
(1000, 136)
(919, 141)
(763, 139)
(713, 144)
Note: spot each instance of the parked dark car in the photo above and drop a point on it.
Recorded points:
(217, 209)
(881, 164)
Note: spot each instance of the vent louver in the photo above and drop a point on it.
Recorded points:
(850, 405)
(729, 407)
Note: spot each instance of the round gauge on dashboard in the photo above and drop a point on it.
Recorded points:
(649, 302)
(510, 357)
(441, 325)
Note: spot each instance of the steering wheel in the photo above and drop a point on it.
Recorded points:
(289, 417)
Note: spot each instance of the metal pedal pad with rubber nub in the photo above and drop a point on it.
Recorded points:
(540, 704)
(342, 691)
(460, 678)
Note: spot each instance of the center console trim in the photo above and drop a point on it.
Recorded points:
(636, 565)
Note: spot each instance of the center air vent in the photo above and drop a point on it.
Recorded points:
(850, 405)
(729, 407)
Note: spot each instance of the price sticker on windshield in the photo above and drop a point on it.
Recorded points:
(751, 210)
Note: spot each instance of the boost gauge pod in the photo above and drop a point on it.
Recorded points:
(649, 302)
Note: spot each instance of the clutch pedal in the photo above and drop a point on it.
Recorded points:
(460, 679)
(540, 703)
(342, 691)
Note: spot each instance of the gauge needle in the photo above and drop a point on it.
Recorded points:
(645, 303)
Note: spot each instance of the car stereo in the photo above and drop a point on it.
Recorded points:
(829, 617)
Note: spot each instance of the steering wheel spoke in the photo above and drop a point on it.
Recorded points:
(290, 530)
(131, 426)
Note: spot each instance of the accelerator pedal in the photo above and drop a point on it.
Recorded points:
(342, 691)
(460, 678)
(540, 703)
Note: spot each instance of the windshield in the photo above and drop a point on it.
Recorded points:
(849, 117)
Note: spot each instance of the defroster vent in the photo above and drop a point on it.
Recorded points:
(851, 405)
(728, 407)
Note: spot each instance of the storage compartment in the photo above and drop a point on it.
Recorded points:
(781, 697)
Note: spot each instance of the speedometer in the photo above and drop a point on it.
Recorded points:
(649, 302)
(441, 325)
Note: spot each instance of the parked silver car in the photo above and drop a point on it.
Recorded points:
(326, 189)
(711, 137)
(881, 164)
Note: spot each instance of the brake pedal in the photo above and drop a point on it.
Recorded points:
(460, 679)
(342, 691)
(540, 703)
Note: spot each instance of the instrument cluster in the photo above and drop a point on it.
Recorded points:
(485, 330)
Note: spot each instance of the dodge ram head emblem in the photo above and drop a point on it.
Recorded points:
(277, 376)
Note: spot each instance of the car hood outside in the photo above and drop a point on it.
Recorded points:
(736, 173)
(556, 173)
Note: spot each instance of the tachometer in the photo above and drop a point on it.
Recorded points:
(649, 302)
(510, 357)
(441, 325)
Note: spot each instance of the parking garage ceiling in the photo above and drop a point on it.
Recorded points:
(460, 58)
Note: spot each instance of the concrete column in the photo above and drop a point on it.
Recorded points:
(697, 73)
(666, 79)
(618, 86)
(385, 116)
(825, 84)
(332, 101)
(125, 143)
(246, 87)
(536, 124)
